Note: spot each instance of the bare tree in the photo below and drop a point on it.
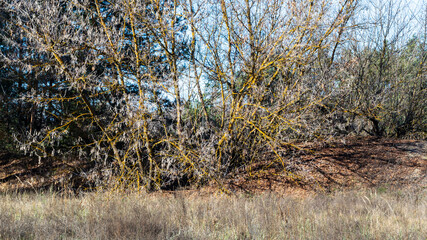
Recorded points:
(383, 71)
(257, 54)
(160, 91)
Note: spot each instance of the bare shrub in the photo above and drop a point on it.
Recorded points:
(128, 79)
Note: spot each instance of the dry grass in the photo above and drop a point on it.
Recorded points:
(365, 214)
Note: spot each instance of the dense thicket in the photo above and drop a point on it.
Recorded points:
(160, 92)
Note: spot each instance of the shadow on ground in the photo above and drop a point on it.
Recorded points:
(319, 166)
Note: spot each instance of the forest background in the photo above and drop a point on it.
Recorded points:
(154, 94)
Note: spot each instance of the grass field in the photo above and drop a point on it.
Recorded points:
(367, 214)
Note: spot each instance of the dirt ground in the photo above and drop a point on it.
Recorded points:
(344, 164)
(25, 173)
(318, 167)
